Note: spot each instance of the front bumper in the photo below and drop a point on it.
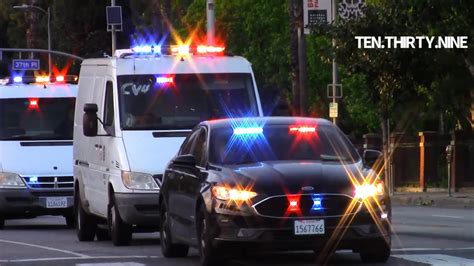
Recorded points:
(29, 203)
(138, 209)
(262, 233)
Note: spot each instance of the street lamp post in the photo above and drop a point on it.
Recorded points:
(47, 13)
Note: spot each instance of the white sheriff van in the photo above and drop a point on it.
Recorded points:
(36, 127)
(133, 112)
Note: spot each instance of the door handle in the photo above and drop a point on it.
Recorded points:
(98, 146)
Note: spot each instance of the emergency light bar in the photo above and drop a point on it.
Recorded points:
(39, 79)
(181, 50)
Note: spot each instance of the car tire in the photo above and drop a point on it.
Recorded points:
(208, 253)
(70, 220)
(102, 234)
(120, 232)
(86, 224)
(168, 249)
(379, 252)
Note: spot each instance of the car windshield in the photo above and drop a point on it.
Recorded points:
(36, 119)
(151, 102)
(280, 142)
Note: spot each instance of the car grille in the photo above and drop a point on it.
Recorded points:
(50, 182)
(278, 206)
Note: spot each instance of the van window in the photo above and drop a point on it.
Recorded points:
(36, 119)
(152, 102)
(109, 105)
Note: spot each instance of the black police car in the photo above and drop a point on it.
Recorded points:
(273, 183)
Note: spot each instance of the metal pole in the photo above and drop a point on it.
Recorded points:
(303, 71)
(334, 64)
(449, 179)
(49, 41)
(210, 13)
(114, 36)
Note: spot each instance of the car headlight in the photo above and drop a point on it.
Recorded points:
(11, 180)
(234, 194)
(367, 190)
(135, 180)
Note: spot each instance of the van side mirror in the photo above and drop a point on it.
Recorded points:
(89, 120)
(186, 159)
(371, 156)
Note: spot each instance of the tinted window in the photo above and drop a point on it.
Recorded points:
(277, 142)
(188, 143)
(36, 119)
(109, 105)
(184, 101)
(199, 149)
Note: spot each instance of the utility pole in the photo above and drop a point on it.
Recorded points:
(114, 36)
(334, 64)
(302, 66)
(210, 14)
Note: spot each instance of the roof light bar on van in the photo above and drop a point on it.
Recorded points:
(42, 79)
(164, 80)
(17, 79)
(180, 50)
(147, 49)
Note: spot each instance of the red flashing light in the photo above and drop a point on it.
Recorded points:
(293, 203)
(302, 129)
(60, 78)
(33, 104)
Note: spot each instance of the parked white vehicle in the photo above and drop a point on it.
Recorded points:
(147, 100)
(36, 127)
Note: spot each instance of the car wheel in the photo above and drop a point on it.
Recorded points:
(120, 232)
(2, 221)
(70, 220)
(102, 234)
(86, 224)
(168, 249)
(379, 252)
(208, 253)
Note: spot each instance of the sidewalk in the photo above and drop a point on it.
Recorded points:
(435, 199)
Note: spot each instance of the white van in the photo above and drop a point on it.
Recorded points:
(36, 127)
(147, 100)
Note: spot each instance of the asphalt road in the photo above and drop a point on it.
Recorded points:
(423, 235)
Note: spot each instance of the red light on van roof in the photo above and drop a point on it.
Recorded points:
(302, 129)
(59, 78)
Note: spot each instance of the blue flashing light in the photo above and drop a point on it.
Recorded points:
(317, 203)
(147, 49)
(18, 79)
(248, 130)
(33, 179)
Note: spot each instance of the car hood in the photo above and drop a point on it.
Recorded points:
(292, 177)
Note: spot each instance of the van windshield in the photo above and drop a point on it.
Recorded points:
(154, 102)
(36, 118)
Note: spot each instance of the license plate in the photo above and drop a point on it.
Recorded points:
(56, 202)
(309, 227)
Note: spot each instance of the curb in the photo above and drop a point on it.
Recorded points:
(434, 200)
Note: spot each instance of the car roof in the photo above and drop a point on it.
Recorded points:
(280, 120)
(35, 90)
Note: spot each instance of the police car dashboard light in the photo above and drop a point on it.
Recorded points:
(293, 205)
(33, 103)
(164, 80)
(302, 129)
(18, 79)
(248, 130)
(317, 203)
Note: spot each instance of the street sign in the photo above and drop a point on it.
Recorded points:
(25, 64)
(316, 12)
(338, 91)
(333, 110)
(114, 18)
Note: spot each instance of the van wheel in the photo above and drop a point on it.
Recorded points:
(2, 221)
(70, 220)
(102, 234)
(168, 249)
(86, 224)
(120, 232)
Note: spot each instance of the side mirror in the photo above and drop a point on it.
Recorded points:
(89, 120)
(186, 159)
(371, 156)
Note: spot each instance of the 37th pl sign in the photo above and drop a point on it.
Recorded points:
(25, 64)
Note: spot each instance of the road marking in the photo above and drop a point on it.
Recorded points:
(81, 258)
(447, 216)
(436, 259)
(46, 248)
(430, 249)
(111, 264)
